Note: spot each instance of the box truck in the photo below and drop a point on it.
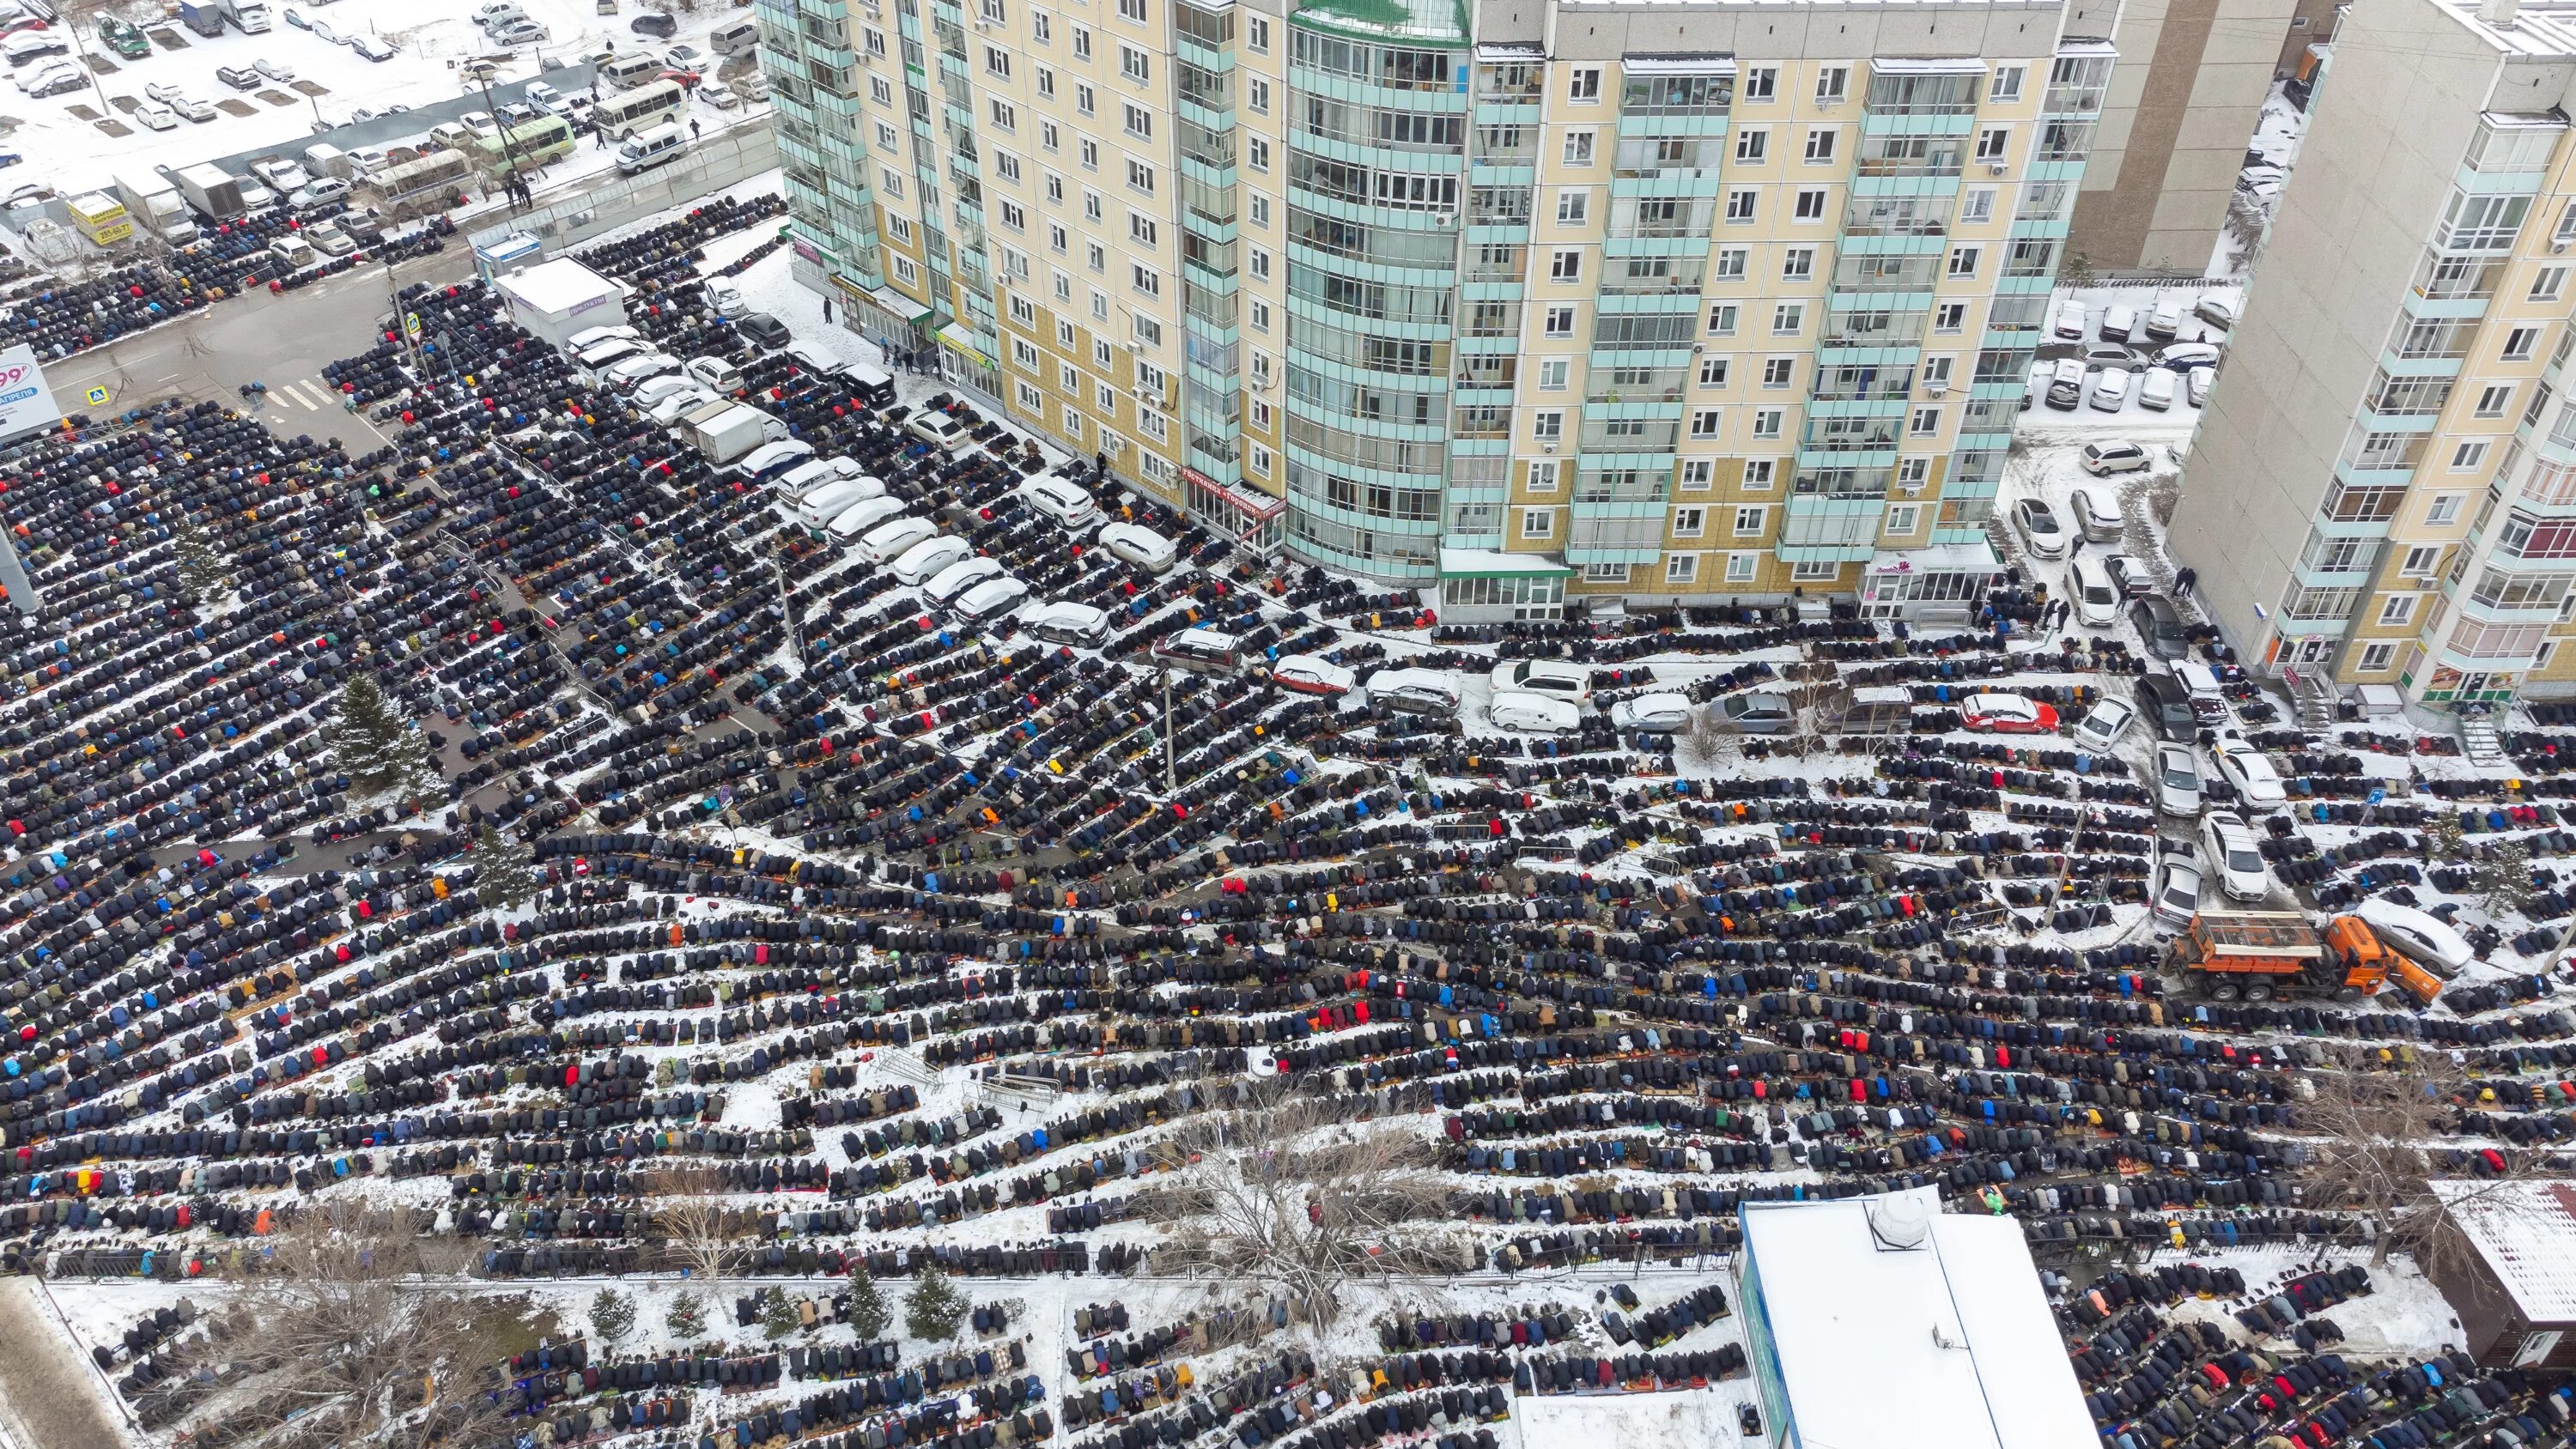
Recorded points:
(202, 16)
(250, 15)
(155, 206)
(213, 191)
(723, 431)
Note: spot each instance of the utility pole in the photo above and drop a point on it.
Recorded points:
(1171, 741)
(509, 147)
(787, 606)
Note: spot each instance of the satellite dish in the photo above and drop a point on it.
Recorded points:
(1899, 1222)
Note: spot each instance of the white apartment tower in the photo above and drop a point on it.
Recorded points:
(1522, 300)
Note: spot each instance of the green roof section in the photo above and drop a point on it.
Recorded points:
(1425, 22)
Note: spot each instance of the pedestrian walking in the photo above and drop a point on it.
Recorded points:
(693, 128)
(827, 309)
(2184, 579)
(2076, 547)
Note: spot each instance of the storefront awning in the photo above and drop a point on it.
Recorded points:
(1940, 558)
(1256, 506)
(886, 299)
(1491, 563)
(957, 339)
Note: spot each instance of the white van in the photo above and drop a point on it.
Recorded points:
(890, 540)
(1422, 691)
(928, 557)
(831, 501)
(860, 519)
(735, 37)
(2110, 391)
(626, 72)
(2097, 601)
(1140, 546)
(647, 149)
(1534, 714)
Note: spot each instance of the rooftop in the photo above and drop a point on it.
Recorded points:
(1898, 1324)
(2539, 31)
(2526, 1233)
(557, 286)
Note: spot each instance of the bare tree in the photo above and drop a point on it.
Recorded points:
(1706, 740)
(343, 1334)
(2375, 1134)
(1281, 1191)
(689, 1218)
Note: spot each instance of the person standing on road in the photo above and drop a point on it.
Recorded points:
(693, 128)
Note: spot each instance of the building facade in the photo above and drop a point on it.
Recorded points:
(1525, 300)
(2384, 486)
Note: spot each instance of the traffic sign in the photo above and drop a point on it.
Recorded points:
(97, 397)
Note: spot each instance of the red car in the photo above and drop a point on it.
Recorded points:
(2008, 714)
(687, 80)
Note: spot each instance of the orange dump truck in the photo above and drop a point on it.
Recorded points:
(2258, 955)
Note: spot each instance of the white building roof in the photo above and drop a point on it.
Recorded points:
(1947, 1344)
(2526, 1233)
(1494, 562)
(557, 287)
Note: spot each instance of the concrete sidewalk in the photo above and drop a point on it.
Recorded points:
(49, 1399)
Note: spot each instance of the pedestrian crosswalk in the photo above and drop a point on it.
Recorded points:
(311, 394)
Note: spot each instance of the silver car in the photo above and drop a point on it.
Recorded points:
(2177, 780)
(2177, 892)
(2041, 531)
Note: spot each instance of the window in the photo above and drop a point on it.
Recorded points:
(885, 136)
(1752, 145)
(1605, 573)
(1008, 165)
(1833, 85)
(1140, 177)
(1041, 27)
(1547, 425)
(997, 62)
(2397, 610)
(1779, 371)
(1134, 64)
(1759, 473)
(1748, 521)
(1085, 99)
(1090, 153)
(1950, 317)
(2445, 508)
(1731, 263)
(1712, 372)
(1583, 85)
(879, 91)
(1538, 523)
(1257, 154)
(1721, 320)
(1565, 264)
(1140, 122)
(1978, 206)
(2495, 400)
(1145, 279)
(1005, 117)
(2420, 561)
(1936, 373)
(1913, 472)
(1025, 313)
(1068, 379)
(1057, 237)
(1993, 142)
(1578, 148)
(1698, 473)
(1788, 319)
(1149, 333)
(1091, 207)
(2520, 343)
(1050, 139)
(1256, 96)
(1740, 203)
(1132, 10)
(2376, 657)
(1811, 204)
(1560, 321)
(1104, 395)
(1014, 216)
(1260, 316)
(1031, 400)
(1573, 203)
(1797, 264)
(1259, 264)
(1141, 228)
(1820, 146)
(899, 227)
(1762, 83)
(1904, 518)
(1540, 475)
(904, 271)
(1963, 261)
(2548, 283)
(890, 181)
(1256, 34)
(1687, 522)
(2467, 456)
(1767, 422)
(1260, 209)
(1703, 422)
(1554, 373)
(1064, 337)
(1681, 568)
(1082, 42)
(1742, 568)
(1926, 423)
(1073, 422)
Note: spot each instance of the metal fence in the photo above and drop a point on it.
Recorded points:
(720, 159)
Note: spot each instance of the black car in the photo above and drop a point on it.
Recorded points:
(2159, 624)
(2167, 706)
(655, 23)
(764, 329)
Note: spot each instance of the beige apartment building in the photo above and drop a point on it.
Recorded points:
(1525, 301)
(2384, 486)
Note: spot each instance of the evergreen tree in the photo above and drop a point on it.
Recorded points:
(612, 1315)
(504, 874)
(934, 1309)
(778, 1317)
(867, 1313)
(201, 562)
(688, 1318)
(373, 744)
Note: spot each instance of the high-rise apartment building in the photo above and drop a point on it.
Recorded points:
(1526, 299)
(2384, 485)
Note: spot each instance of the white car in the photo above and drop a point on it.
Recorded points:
(685, 57)
(654, 390)
(1068, 623)
(2177, 892)
(2184, 356)
(2419, 936)
(1658, 713)
(2103, 725)
(923, 561)
(720, 96)
(2156, 390)
(1425, 691)
(583, 341)
(372, 48)
(2041, 532)
(1140, 546)
(716, 374)
(725, 297)
(282, 74)
(989, 599)
(1311, 674)
(939, 430)
(2177, 781)
(2068, 320)
(1534, 714)
(1070, 507)
(958, 577)
(626, 376)
(2197, 384)
(166, 94)
(771, 459)
(156, 117)
(850, 517)
(2243, 766)
(891, 540)
(2228, 847)
(1549, 677)
(680, 404)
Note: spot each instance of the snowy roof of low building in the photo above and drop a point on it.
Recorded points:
(1895, 1323)
(557, 286)
(2526, 1234)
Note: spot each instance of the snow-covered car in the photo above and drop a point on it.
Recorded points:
(1423, 691)
(624, 376)
(717, 374)
(282, 74)
(891, 539)
(2419, 936)
(725, 297)
(2040, 530)
(938, 429)
(2113, 455)
(329, 239)
(319, 192)
(989, 599)
(958, 577)
(679, 404)
(2129, 575)
(2217, 312)
(2184, 356)
(480, 125)
(2164, 321)
(1083, 626)
(52, 80)
(498, 12)
(372, 48)
(2197, 383)
(2177, 892)
(1065, 505)
(720, 96)
(771, 459)
(163, 92)
(153, 116)
(2228, 848)
(2067, 319)
(2177, 777)
(590, 337)
(653, 390)
(2007, 714)
(1534, 714)
(190, 108)
(286, 176)
(1142, 547)
(240, 78)
(26, 191)
(2103, 725)
(1660, 713)
(685, 57)
(525, 32)
(2244, 767)
(322, 31)
(1311, 674)
(1550, 677)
